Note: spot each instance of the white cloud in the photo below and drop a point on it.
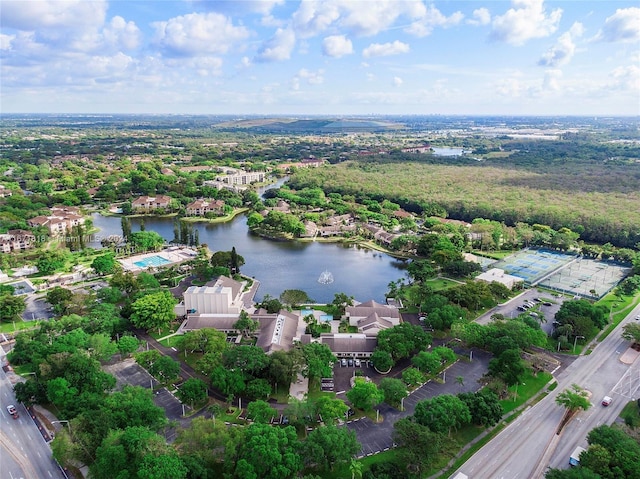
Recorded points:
(52, 14)
(278, 47)
(551, 82)
(364, 18)
(481, 16)
(235, 7)
(564, 49)
(431, 19)
(107, 66)
(385, 49)
(314, 17)
(527, 20)
(337, 46)
(371, 17)
(122, 34)
(397, 81)
(199, 34)
(626, 78)
(622, 26)
(311, 77)
(5, 41)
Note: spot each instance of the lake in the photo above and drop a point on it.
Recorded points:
(447, 151)
(281, 265)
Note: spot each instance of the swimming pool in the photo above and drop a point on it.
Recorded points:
(152, 261)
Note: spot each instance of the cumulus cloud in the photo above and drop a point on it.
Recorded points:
(372, 17)
(199, 34)
(622, 26)
(481, 16)
(385, 49)
(397, 81)
(527, 20)
(626, 78)
(122, 34)
(278, 47)
(52, 14)
(234, 7)
(562, 52)
(432, 18)
(5, 41)
(309, 76)
(551, 81)
(337, 46)
(363, 18)
(314, 17)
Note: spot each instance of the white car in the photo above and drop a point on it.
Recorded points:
(357, 363)
(606, 401)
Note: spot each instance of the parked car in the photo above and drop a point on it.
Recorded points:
(13, 412)
(356, 362)
(350, 361)
(343, 362)
(638, 318)
(606, 401)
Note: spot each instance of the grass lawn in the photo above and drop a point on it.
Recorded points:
(528, 387)
(162, 332)
(439, 284)
(18, 326)
(171, 341)
(619, 308)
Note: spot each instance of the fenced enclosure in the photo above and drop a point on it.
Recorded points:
(563, 272)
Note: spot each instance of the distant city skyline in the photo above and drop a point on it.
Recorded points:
(324, 57)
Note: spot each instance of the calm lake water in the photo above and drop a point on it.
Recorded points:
(446, 151)
(281, 265)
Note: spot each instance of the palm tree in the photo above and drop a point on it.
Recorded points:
(356, 468)
(460, 380)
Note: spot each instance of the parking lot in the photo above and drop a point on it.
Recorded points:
(545, 309)
(129, 372)
(375, 437)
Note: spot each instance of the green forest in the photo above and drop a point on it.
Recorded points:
(587, 187)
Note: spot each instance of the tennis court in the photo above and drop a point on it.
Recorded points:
(587, 278)
(533, 265)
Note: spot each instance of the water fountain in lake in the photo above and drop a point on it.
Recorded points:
(325, 277)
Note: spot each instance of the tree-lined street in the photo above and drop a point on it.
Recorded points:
(517, 451)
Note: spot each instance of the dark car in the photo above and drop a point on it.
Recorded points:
(350, 362)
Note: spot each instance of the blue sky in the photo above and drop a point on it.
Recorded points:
(325, 57)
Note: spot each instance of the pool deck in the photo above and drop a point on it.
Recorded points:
(174, 255)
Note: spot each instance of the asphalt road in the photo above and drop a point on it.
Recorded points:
(526, 446)
(23, 451)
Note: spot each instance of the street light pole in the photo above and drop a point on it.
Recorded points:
(575, 341)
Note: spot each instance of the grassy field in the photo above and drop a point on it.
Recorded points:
(524, 391)
(631, 414)
(18, 326)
